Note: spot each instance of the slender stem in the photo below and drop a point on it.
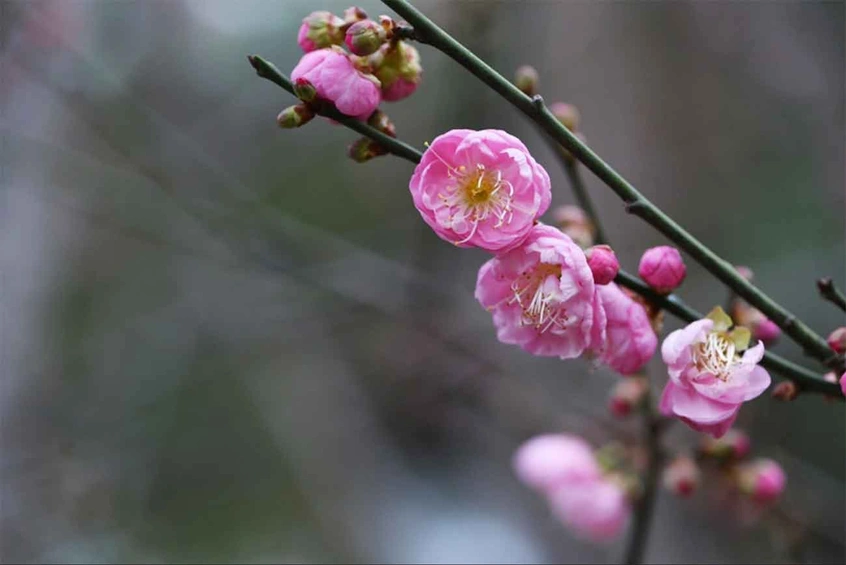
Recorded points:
(428, 32)
(831, 293)
(268, 70)
(803, 377)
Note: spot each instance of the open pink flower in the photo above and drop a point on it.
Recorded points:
(596, 510)
(630, 340)
(480, 189)
(709, 379)
(335, 78)
(549, 461)
(542, 296)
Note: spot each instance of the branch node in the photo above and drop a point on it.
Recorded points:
(635, 207)
(537, 101)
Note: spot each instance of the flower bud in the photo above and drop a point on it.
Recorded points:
(767, 331)
(837, 340)
(320, 29)
(734, 445)
(763, 480)
(364, 149)
(379, 120)
(574, 222)
(526, 79)
(567, 114)
(603, 263)
(662, 268)
(681, 476)
(304, 90)
(294, 116)
(354, 14)
(785, 391)
(397, 66)
(627, 395)
(365, 37)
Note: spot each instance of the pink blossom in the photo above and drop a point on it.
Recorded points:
(681, 476)
(630, 341)
(709, 379)
(549, 461)
(335, 78)
(603, 263)
(763, 480)
(766, 330)
(837, 340)
(542, 296)
(319, 29)
(596, 510)
(480, 189)
(662, 268)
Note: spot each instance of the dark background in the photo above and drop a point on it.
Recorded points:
(223, 341)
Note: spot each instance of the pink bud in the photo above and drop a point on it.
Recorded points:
(734, 445)
(763, 480)
(365, 37)
(548, 461)
(744, 272)
(837, 340)
(397, 65)
(767, 331)
(681, 476)
(567, 114)
(662, 268)
(603, 263)
(596, 510)
(320, 29)
(627, 395)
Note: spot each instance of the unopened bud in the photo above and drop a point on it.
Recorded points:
(354, 14)
(662, 268)
(294, 116)
(319, 30)
(837, 340)
(627, 395)
(734, 445)
(365, 37)
(785, 390)
(380, 121)
(364, 149)
(763, 480)
(526, 79)
(767, 331)
(603, 263)
(567, 114)
(681, 476)
(304, 90)
(397, 66)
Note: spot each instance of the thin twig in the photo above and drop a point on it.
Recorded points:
(803, 377)
(428, 32)
(831, 293)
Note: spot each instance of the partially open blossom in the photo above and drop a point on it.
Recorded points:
(630, 341)
(734, 445)
(662, 268)
(837, 340)
(397, 65)
(365, 37)
(709, 379)
(549, 461)
(603, 263)
(627, 395)
(480, 189)
(596, 510)
(567, 114)
(320, 29)
(526, 79)
(573, 221)
(335, 78)
(542, 296)
(681, 476)
(762, 479)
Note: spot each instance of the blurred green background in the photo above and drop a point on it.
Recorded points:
(223, 341)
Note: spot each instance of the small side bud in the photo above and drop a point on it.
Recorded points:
(526, 79)
(567, 114)
(304, 90)
(627, 395)
(354, 14)
(837, 340)
(364, 149)
(365, 37)
(603, 263)
(767, 331)
(763, 480)
(662, 268)
(397, 66)
(734, 445)
(294, 116)
(320, 29)
(681, 476)
(380, 121)
(785, 391)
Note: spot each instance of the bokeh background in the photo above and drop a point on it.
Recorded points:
(222, 341)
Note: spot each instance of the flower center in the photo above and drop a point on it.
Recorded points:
(478, 195)
(716, 355)
(537, 293)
